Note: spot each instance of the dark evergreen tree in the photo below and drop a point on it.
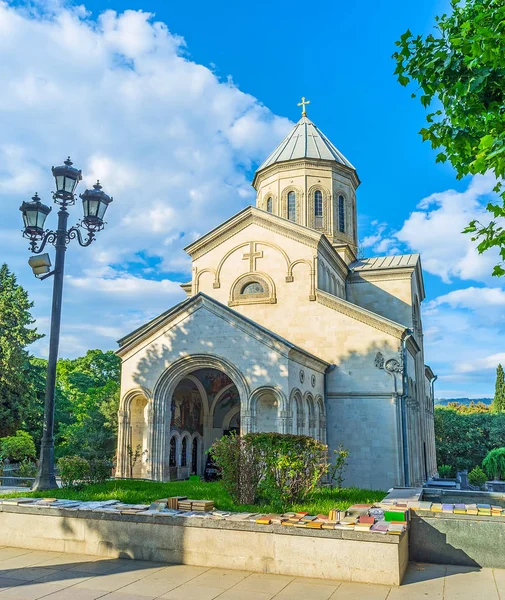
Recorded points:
(499, 394)
(15, 334)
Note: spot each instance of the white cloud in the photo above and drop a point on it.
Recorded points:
(169, 140)
(435, 231)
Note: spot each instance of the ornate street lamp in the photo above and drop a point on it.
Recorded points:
(95, 203)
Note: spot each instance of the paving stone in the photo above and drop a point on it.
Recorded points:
(222, 578)
(29, 573)
(468, 583)
(149, 587)
(189, 591)
(360, 591)
(233, 594)
(265, 583)
(8, 582)
(297, 590)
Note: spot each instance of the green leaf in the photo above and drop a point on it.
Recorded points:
(486, 142)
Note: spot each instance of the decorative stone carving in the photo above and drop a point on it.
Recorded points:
(379, 360)
(393, 366)
(313, 381)
(302, 375)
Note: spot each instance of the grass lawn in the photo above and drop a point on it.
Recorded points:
(144, 492)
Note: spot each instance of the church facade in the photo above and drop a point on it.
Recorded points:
(285, 329)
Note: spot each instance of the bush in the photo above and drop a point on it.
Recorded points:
(463, 440)
(27, 468)
(278, 468)
(444, 470)
(477, 477)
(239, 464)
(18, 447)
(100, 469)
(494, 463)
(74, 470)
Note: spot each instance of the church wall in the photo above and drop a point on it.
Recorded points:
(202, 332)
(368, 427)
(390, 297)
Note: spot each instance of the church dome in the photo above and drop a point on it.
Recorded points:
(305, 140)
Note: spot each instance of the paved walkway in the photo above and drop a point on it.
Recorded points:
(29, 575)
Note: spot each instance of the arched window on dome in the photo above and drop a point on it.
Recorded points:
(318, 209)
(341, 214)
(269, 204)
(292, 206)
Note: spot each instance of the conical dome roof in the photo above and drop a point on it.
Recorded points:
(305, 140)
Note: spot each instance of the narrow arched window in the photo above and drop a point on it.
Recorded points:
(172, 461)
(341, 214)
(269, 205)
(318, 209)
(292, 206)
(184, 452)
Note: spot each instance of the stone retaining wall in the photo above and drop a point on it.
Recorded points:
(326, 554)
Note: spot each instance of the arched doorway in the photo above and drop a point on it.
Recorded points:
(204, 406)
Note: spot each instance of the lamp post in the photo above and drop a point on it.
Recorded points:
(95, 203)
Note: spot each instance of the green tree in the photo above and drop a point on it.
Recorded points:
(460, 70)
(90, 386)
(499, 394)
(15, 334)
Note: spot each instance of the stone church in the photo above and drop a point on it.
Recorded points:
(285, 329)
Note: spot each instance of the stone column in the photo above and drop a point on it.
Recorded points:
(122, 464)
(246, 421)
(284, 421)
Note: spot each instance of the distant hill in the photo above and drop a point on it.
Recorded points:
(446, 401)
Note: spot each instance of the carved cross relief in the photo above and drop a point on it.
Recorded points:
(252, 256)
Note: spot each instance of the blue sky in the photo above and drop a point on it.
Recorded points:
(173, 105)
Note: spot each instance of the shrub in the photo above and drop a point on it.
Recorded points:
(27, 468)
(477, 477)
(18, 447)
(74, 470)
(239, 464)
(100, 470)
(494, 463)
(337, 467)
(279, 468)
(444, 470)
(463, 440)
(292, 465)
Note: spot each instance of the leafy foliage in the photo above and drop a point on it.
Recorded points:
(279, 468)
(469, 409)
(494, 463)
(77, 471)
(460, 69)
(17, 447)
(240, 469)
(337, 467)
(445, 470)
(89, 387)
(499, 394)
(463, 439)
(15, 334)
(477, 477)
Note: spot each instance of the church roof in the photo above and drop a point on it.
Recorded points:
(305, 140)
(362, 266)
(397, 261)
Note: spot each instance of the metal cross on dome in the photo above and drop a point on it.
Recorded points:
(302, 104)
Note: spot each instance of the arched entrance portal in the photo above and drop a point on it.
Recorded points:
(205, 405)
